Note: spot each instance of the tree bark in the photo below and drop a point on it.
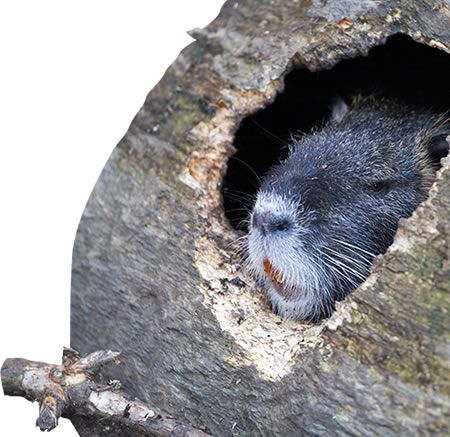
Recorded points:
(154, 274)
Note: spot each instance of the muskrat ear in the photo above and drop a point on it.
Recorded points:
(338, 110)
(438, 143)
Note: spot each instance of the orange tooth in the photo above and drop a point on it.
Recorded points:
(272, 273)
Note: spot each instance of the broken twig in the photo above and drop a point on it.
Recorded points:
(71, 389)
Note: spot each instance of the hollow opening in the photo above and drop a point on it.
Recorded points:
(413, 73)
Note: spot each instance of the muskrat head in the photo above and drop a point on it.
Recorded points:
(334, 203)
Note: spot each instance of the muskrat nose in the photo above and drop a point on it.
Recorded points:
(269, 222)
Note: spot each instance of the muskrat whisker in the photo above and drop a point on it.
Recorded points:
(352, 261)
(239, 196)
(236, 241)
(371, 254)
(250, 168)
(240, 249)
(271, 134)
(343, 266)
(340, 273)
(241, 209)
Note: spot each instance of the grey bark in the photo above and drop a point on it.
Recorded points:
(154, 272)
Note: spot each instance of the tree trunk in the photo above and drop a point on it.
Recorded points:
(155, 277)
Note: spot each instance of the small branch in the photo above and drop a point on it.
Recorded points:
(71, 389)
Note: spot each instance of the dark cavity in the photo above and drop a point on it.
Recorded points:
(411, 72)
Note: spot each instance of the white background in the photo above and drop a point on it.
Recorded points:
(72, 76)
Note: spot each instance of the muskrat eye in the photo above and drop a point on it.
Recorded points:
(376, 186)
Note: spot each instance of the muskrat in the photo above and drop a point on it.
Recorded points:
(323, 213)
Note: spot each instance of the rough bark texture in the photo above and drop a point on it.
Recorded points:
(154, 275)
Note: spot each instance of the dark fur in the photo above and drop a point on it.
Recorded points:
(351, 182)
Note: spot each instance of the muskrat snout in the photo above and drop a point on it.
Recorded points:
(322, 214)
(268, 222)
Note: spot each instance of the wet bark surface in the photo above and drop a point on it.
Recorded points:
(155, 277)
